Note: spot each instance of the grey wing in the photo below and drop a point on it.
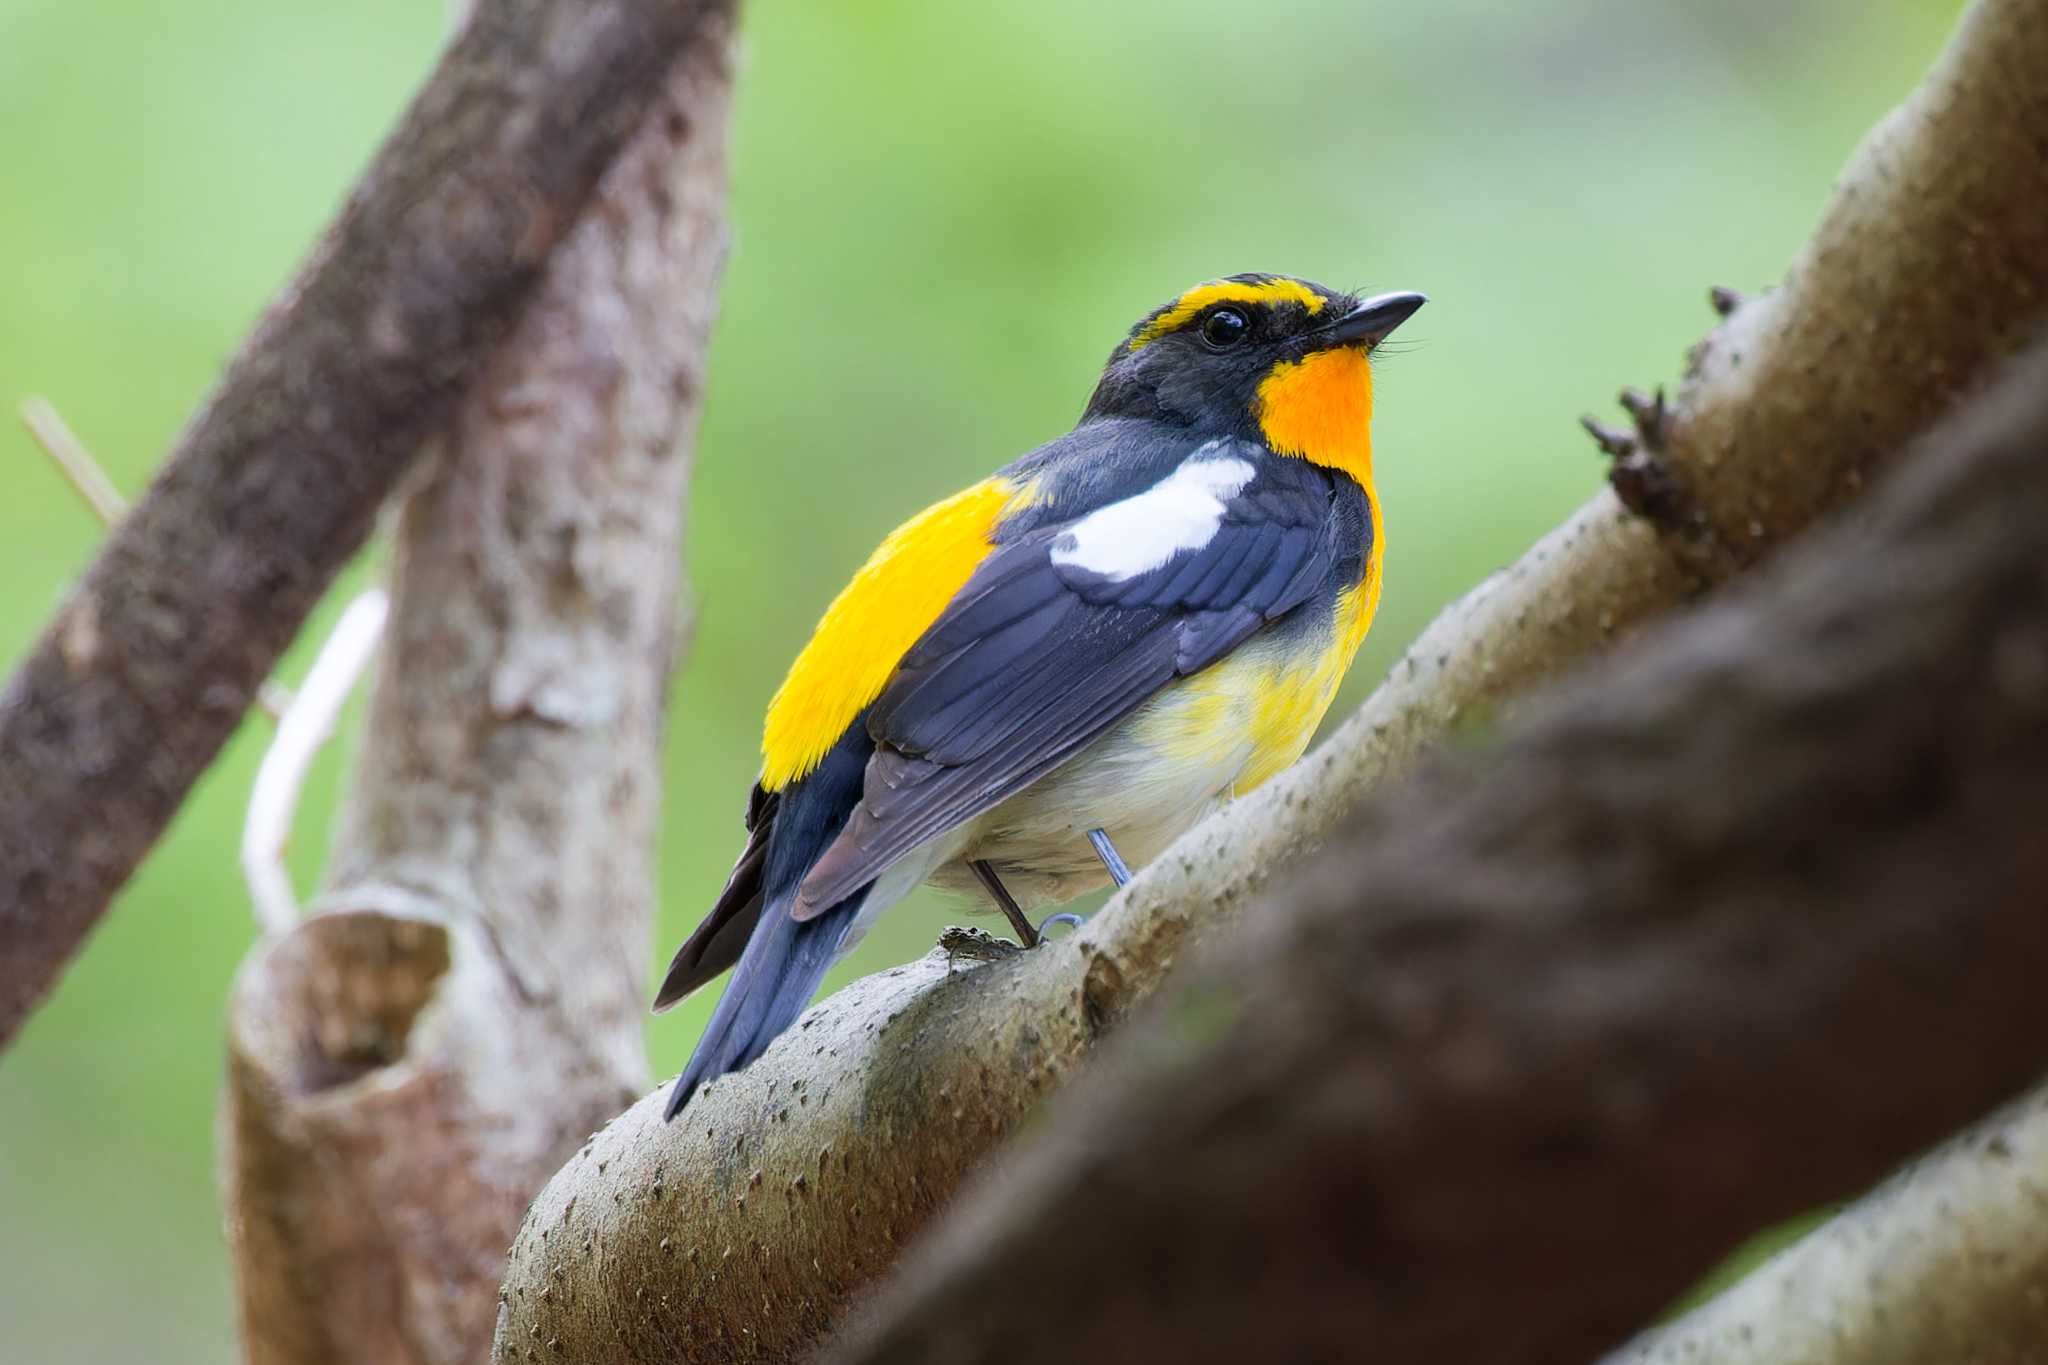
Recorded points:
(1039, 654)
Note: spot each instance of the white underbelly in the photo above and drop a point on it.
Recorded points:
(1145, 783)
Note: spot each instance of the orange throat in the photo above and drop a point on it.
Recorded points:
(1320, 408)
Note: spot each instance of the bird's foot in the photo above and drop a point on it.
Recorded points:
(1066, 917)
(964, 943)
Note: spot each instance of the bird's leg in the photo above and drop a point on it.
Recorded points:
(1005, 902)
(1111, 859)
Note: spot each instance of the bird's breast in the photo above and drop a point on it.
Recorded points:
(1261, 704)
(1198, 742)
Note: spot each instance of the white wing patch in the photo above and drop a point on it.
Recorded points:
(1145, 531)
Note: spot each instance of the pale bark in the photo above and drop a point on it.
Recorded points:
(752, 1222)
(1708, 936)
(467, 1000)
(147, 667)
(1947, 1262)
(1929, 268)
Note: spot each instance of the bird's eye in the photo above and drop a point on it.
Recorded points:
(1224, 327)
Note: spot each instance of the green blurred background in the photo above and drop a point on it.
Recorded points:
(961, 206)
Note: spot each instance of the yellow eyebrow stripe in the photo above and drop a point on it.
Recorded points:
(875, 620)
(1227, 291)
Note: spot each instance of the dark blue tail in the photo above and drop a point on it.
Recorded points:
(777, 975)
(784, 961)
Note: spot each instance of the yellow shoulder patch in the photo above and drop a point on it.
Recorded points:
(874, 621)
(1320, 408)
(1227, 291)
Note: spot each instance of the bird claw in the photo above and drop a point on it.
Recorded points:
(964, 943)
(1066, 917)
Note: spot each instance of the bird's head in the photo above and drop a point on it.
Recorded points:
(1267, 356)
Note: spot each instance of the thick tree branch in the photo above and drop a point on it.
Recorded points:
(1929, 269)
(467, 1002)
(148, 666)
(1946, 1262)
(1713, 934)
(796, 1183)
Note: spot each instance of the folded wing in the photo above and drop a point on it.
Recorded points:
(1067, 629)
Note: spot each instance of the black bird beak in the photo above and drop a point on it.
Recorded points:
(1371, 320)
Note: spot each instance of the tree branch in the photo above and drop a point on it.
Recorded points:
(303, 729)
(1929, 269)
(1712, 934)
(407, 1066)
(796, 1183)
(147, 667)
(1942, 1263)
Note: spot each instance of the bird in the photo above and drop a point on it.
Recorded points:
(1043, 680)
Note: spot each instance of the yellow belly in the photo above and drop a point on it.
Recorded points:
(1199, 742)
(1263, 702)
(1247, 714)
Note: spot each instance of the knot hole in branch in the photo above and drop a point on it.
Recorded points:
(350, 985)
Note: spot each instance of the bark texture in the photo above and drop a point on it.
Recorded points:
(1946, 1262)
(1712, 935)
(150, 663)
(898, 1087)
(1929, 269)
(466, 1002)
